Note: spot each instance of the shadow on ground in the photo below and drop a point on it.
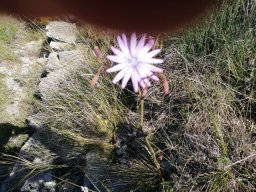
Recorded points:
(8, 130)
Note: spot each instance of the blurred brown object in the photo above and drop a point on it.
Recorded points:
(125, 15)
(165, 82)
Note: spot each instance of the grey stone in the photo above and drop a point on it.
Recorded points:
(95, 162)
(26, 64)
(50, 186)
(13, 109)
(34, 148)
(121, 150)
(42, 60)
(58, 46)
(13, 85)
(60, 65)
(51, 83)
(62, 31)
(26, 60)
(65, 59)
(40, 182)
(34, 122)
(29, 49)
(16, 141)
(84, 189)
(32, 154)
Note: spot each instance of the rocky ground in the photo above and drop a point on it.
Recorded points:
(41, 72)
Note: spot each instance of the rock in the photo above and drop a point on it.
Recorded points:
(121, 150)
(53, 62)
(95, 164)
(12, 85)
(40, 182)
(50, 84)
(62, 31)
(33, 154)
(13, 109)
(18, 94)
(60, 65)
(26, 65)
(31, 48)
(34, 122)
(16, 142)
(26, 60)
(84, 189)
(65, 59)
(58, 46)
(35, 148)
(42, 60)
(50, 186)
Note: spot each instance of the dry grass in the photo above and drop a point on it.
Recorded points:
(204, 130)
(78, 109)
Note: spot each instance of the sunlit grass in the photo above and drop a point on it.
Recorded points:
(205, 129)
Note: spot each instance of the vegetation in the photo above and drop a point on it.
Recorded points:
(203, 133)
(8, 29)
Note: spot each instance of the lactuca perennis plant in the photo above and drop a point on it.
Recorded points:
(136, 62)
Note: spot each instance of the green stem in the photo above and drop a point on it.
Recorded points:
(146, 140)
(153, 155)
(141, 113)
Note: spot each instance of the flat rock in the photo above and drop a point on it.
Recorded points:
(16, 141)
(31, 48)
(59, 46)
(41, 61)
(51, 83)
(64, 59)
(34, 122)
(59, 66)
(34, 152)
(62, 31)
(40, 182)
(13, 109)
(94, 172)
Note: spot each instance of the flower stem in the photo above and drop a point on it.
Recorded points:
(142, 113)
(153, 155)
(146, 140)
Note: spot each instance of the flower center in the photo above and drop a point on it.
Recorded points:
(133, 61)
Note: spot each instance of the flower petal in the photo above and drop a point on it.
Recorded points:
(115, 68)
(116, 59)
(117, 52)
(133, 43)
(119, 75)
(141, 71)
(126, 78)
(154, 77)
(146, 48)
(145, 83)
(123, 45)
(135, 82)
(152, 53)
(144, 71)
(152, 60)
(125, 41)
(141, 42)
(151, 68)
(142, 84)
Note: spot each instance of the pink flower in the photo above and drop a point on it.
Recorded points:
(135, 61)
